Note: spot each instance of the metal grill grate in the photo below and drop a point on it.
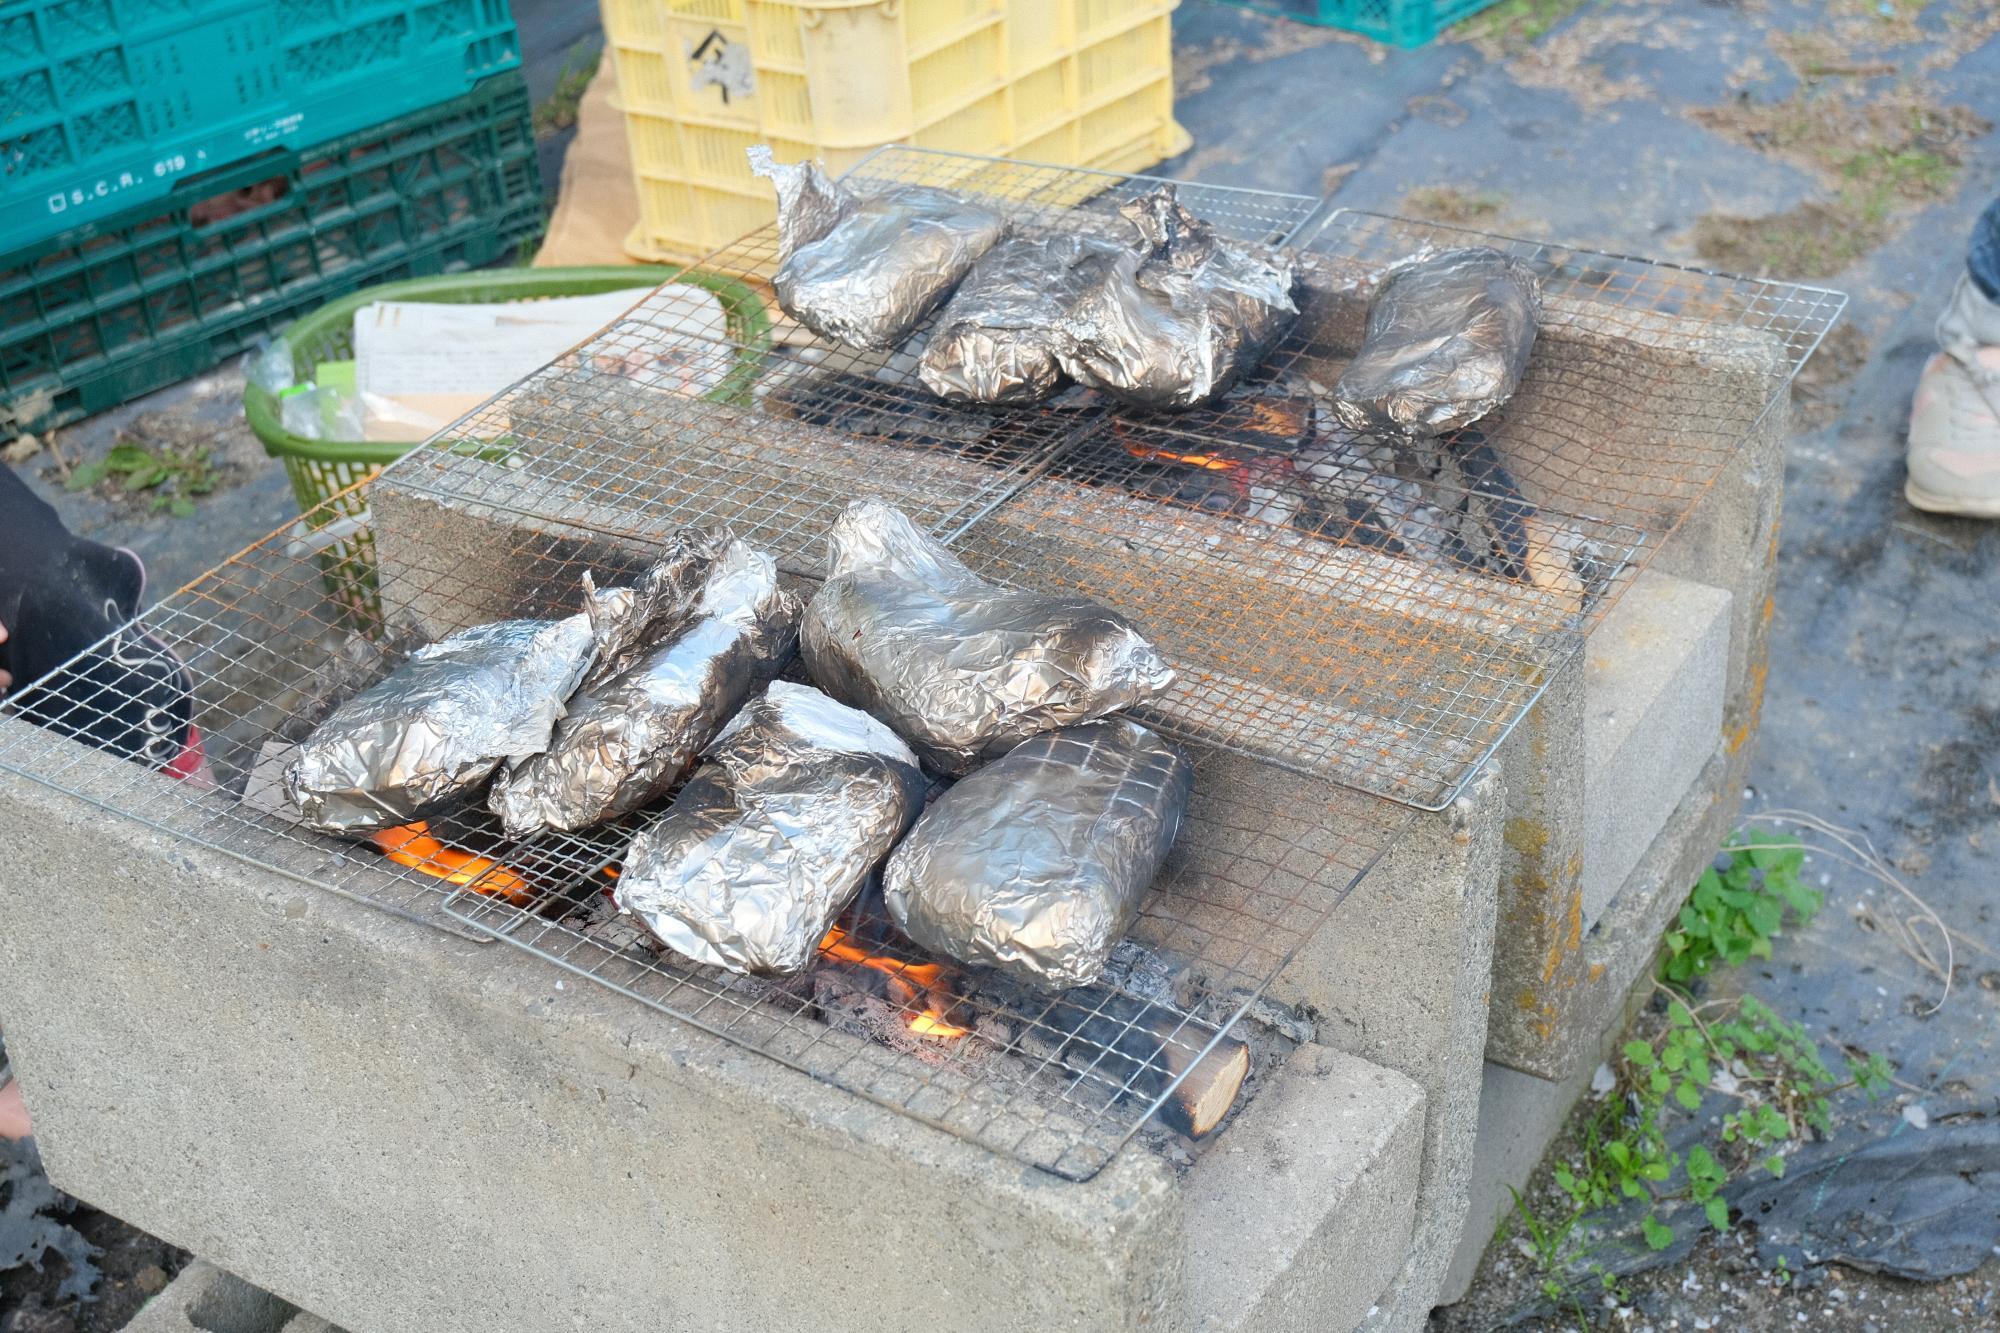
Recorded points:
(1359, 611)
(1372, 609)
(274, 639)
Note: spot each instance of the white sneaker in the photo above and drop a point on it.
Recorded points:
(1954, 456)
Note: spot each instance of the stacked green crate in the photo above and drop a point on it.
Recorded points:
(149, 296)
(1405, 23)
(107, 105)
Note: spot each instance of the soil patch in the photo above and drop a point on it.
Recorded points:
(135, 1267)
(1820, 391)
(1810, 241)
(1449, 204)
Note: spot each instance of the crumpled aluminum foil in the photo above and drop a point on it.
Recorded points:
(1448, 338)
(629, 622)
(773, 836)
(627, 740)
(995, 342)
(865, 270)
(439, 724)
(1172, 324)
(962, 669)
(1036, 864)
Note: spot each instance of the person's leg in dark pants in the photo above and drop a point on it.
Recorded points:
(1954, 445)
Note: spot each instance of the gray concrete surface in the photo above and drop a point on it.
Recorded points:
(1418, 1006)
(1595, 772)
(1520, 1114)
(419, 1127)
(1306, 1209)
(204, 1299)
(1654, 678)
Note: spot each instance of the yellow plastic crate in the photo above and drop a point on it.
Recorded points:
(1084, 83)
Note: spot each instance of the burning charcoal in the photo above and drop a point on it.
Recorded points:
(1448, 337)
(627, 740)
(799, 800)
(1036, 863)
(1172, 324)
(440, 724)
(864, 271)
(963, 669)
(1489, 525)
(995, 342)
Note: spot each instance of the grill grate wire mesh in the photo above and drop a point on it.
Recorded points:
(1343, 635)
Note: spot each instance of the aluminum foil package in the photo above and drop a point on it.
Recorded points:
(627, 740)
(798, 801)
(1448, 339)
(439, 724)
(961, 668)
(1171, 325)
(629, 622)
(864, 270)
(996, 341)
(1036, 864)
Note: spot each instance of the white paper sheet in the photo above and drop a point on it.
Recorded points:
(427, 348)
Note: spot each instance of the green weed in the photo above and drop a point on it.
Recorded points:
(1517, 23)
(558, 110)
(174, 475)
(1682, 1051)
(1737, 907)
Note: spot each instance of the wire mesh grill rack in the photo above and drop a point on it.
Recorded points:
(1354, 618)
(271, 643)
(1375, 609)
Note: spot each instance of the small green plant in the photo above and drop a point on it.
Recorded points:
(558, 110)
(1738, 906)
(1685, 1050)
(1517, 23)
(174, 475)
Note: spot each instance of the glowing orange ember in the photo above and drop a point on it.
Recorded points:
(908, 982)
(1209, 461)
(412, 845)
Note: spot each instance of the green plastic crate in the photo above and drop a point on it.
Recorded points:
(158, 294)
(105, 105)
(323, 472)
(1404, 23)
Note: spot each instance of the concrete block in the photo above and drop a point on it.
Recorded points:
(1730, 541)
(1520, 1114)
(1654, 679)
(1595, 771)
(309, 1323)
(1398, 976)
(204, 1299)
(1265, 1253)
(401, 1129)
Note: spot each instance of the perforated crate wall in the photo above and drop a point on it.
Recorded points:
(1073, 82)
(161, 293)
(1404, 23)
(109, 104)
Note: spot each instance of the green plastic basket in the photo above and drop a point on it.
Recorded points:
(1404, 23)
(324, 472)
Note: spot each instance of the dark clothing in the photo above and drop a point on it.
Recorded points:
(1982, 258)
(62, 595)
